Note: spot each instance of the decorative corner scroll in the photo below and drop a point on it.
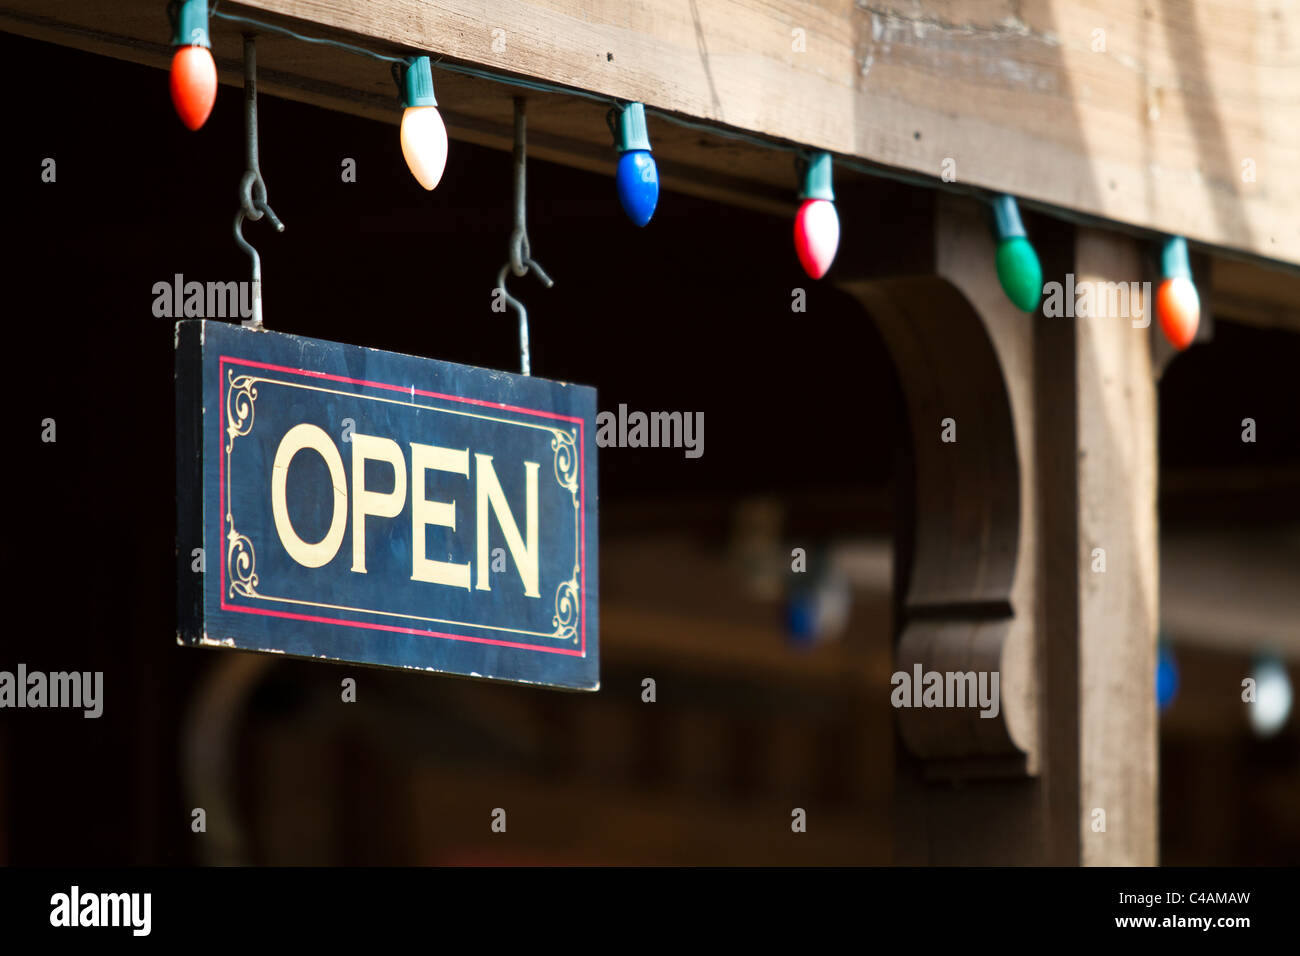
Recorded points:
(241, 562)
(566, 460)
(567, 608)
(567, 605)
(240, 396)
(241, 559)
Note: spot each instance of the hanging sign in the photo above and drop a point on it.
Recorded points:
(348, 504)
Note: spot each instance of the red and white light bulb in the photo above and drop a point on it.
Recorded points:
(816, 224)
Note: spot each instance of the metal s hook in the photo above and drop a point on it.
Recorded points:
(252, 188)
(524, 363)
(520, 261)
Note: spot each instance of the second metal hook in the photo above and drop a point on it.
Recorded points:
(524, 363)
(252, 188)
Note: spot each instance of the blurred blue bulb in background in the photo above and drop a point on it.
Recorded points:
(1166, 677)
(638, 185)
(817, 608)
(801, 618)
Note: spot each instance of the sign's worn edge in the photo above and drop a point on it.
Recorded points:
(190, 526)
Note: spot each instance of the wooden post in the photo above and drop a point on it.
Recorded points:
(1096, 464)
(1116, 407)
(1071, 446)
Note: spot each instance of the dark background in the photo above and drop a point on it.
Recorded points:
(691, 313)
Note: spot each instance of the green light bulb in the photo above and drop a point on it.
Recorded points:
(1019, 272)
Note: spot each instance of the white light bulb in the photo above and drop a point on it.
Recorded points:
(424, 144)
(1272, 704)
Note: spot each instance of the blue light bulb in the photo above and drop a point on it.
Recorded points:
(1166, 677)
(801, 618)
(638, 185)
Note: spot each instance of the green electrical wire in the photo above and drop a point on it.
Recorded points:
(866, 168)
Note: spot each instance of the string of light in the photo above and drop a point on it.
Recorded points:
(816, 226)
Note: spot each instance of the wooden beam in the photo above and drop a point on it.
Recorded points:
(715, 624)
(589, 823)
(1244, 292)
(1169, 118)
(564, 129)
(1232, 590)
(1254, 494)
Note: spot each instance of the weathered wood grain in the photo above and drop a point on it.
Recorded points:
(1143, 114)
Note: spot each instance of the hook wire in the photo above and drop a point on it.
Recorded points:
(521, 261)
(252, 188)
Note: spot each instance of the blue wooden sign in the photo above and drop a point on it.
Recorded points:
(348, 504)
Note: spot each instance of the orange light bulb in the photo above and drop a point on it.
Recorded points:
(193, 84)
(1178, 307)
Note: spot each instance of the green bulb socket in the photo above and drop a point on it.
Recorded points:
(630, 128)
(190, 23)
(1020, 273)
(417, 83)
(815, 177)
(1174, 261)
(1006, 219)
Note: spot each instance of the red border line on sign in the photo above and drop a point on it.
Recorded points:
(405, 390)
